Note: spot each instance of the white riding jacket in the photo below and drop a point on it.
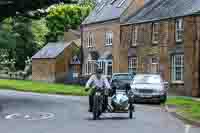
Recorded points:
(95, 82)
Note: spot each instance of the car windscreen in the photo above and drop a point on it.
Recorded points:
(122, 77)
(147, 79)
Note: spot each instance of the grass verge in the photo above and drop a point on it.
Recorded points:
(39, 87)
(186, 107)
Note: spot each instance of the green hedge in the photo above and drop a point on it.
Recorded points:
(40, 87)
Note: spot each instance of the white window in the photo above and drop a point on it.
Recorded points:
(90, 40)
(102, 65)
(154, 65)
(135, 36)
(177, 68)
(108, 38)
(90, 67)
(179, 30)
(132, 64)
(155, 34)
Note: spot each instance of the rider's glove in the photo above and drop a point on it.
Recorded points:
(86, 89)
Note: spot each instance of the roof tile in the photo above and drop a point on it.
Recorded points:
(106, 11)
(162, 9)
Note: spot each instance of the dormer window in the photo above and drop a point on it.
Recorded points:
(179, 30)
(121, 3)
(155, 33)
(108, 38)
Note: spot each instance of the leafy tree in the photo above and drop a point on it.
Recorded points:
(90, 3)
(10, 7)
(7, 36)
(39, 31)
(22, 37)
(25, 44)
(62, 17)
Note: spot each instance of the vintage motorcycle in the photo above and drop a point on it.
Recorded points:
(122, 101)
(99, 102)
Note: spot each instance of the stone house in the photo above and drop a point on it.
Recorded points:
(164, 37)
(101, 36)
(56, 62)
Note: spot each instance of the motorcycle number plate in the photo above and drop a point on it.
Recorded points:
(98, 93)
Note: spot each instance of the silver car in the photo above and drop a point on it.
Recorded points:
(149, 87)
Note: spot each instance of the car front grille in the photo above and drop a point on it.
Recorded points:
(145, 91)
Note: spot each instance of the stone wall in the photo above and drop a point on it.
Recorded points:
(164, 50)
(99, 31)
(43, 70)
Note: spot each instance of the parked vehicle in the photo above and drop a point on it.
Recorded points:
(149, 87)
(121, 79)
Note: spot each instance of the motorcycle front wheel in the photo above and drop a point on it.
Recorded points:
(96, 112)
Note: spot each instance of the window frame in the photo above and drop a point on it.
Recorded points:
(132, 64)
(108, 38)
(135, 36)
(90, 40)
(154, 63)
(90, 63)
(175, 67)
(179, 28)
(155, 33)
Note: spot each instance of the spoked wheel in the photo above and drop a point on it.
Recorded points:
(131, 110)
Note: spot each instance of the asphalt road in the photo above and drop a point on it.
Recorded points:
(35, 113)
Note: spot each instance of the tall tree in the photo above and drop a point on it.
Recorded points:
(25, 44)
(62, 17)
(7, 35)
(11, 7)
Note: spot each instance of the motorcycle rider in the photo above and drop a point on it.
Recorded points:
(97, 80)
